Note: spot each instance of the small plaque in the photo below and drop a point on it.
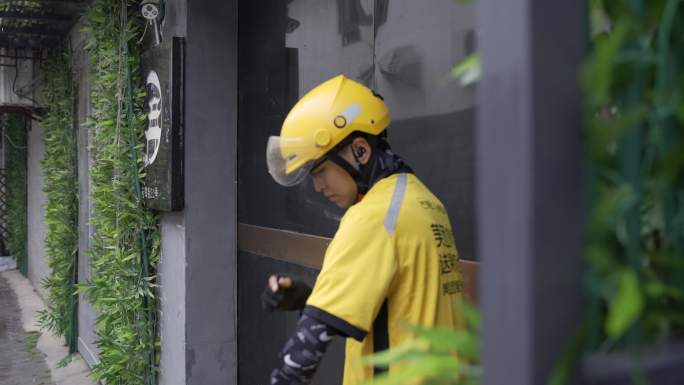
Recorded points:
(163, 72)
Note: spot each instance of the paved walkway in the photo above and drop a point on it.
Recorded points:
(20, 361)
(28, 356)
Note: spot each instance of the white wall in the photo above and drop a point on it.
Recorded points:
(87, 339)
(37, 230)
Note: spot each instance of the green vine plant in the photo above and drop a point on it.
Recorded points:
(125, 243)
(634, 154)
(15, 145)
(635, 149)
(436, 356)
(61, 188)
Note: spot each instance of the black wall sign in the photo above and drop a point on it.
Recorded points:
(163, 73)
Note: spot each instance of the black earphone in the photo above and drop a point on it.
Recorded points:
(360, 152)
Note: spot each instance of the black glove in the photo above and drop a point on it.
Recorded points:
(291, 298)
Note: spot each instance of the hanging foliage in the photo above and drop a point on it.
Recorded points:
(61, 189)
(634, 156)
(125, 242)
(633, 83)
(15, 144)
(435, 356)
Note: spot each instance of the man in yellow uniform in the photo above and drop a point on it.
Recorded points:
(393, 261)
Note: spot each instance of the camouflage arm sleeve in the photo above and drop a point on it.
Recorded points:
(303, 352)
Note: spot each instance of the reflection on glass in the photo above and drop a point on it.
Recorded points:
(333, 37)
(404, 49)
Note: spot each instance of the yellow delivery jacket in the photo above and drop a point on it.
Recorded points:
(393, 262)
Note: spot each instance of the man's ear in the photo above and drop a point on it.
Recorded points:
(362, 150)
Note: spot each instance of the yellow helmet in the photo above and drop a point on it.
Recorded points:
(321, 120)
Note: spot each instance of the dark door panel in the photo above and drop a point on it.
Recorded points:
(261, 334)
(285, 49)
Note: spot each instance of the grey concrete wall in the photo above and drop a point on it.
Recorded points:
(175, 19)
(172, 264)
(37, 230)
(211, 193)
(529, 189)
(172, 294)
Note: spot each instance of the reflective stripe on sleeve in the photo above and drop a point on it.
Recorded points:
(395, 205)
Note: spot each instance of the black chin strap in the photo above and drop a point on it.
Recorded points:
(361, 185)
(383, 163)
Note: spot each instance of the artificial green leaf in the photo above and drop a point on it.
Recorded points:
(626, 306)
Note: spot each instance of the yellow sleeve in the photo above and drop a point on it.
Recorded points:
(357, 271)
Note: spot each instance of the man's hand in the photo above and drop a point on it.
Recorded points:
(284, 293)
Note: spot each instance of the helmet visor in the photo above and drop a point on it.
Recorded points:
(289, 160)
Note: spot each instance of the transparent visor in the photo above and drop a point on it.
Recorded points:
(289, 160)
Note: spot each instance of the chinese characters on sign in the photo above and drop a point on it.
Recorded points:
(150, 192)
